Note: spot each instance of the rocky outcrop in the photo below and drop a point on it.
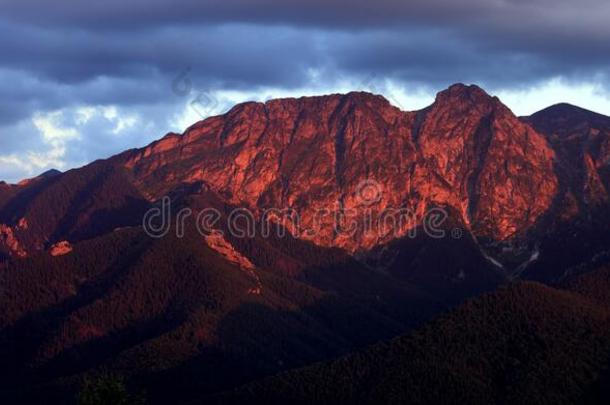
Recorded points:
(60, 248)
(217, 242)
(351, 156)
(9, 240)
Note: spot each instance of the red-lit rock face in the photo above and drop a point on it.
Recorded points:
(357, 154)
(60, 249)
(497, 171)
(10, 241)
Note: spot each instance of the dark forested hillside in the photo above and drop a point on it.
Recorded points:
(176, 319)
(525, 343)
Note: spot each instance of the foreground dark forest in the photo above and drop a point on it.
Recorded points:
(525, 343)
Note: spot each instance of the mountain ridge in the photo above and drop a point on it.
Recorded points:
(86, 289)
(313, 122)
(466, 151)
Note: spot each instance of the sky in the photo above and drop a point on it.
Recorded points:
(82, 80)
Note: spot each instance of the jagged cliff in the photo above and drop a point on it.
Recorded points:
(356, 152)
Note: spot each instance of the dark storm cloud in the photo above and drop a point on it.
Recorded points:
(230, 43)
(54, 68)
(62, 55)
(234, 55)
(438, 58)
(512, 24)
(317, 13)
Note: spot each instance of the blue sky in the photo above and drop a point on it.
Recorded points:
(84, 80)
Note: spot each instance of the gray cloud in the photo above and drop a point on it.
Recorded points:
(502, 14)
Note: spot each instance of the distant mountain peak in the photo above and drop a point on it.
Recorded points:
(566, 119)
(45, 175)
(566, 108)
(570, 112)
(50, 173)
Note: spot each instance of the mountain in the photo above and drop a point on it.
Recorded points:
(336, 222)
(467, 151)
(319, 153)
(524, 343)
(579, 236)
(581, 140)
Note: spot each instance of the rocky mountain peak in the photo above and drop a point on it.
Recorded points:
(565, 119)
(460, 94)
(581, 139)
(466, 151)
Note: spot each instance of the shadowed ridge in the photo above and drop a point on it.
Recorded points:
(566, 119)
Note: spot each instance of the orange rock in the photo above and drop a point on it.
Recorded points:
(218, 243)
(8, 239)
(60, 248)
(466, 151)
(23, 224)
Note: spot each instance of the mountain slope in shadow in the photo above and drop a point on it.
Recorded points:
(525, 343)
